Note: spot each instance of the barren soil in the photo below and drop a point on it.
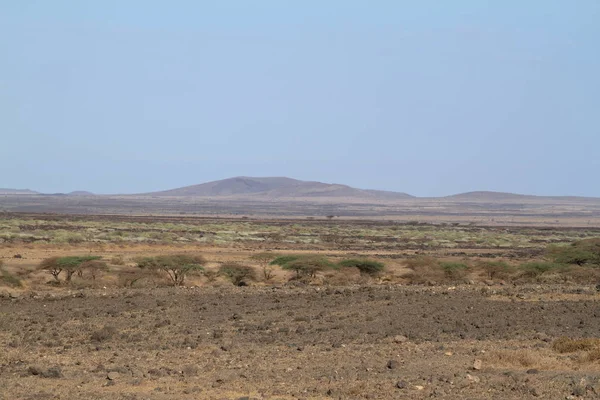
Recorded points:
(285, 342)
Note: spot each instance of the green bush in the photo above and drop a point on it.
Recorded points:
(176, 266)
(366, 266)
(580, 253)
(238, 274)
(536, 268)
(454, 270)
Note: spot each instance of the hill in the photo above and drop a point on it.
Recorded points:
(487, 196)
(276, 187)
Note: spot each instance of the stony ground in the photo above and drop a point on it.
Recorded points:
(369, 342)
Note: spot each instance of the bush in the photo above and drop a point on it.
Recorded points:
(9, 279)
(94, 268)
(104, 334)
(264, 259)
(421, 262)
(454, 270)
(496, 269)
(117, 260)
(238, 274)
(176, 266)
(536, 268)
(365, 266)
(580, 253)
(568, 345)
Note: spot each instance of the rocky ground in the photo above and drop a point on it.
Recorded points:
(369, 342)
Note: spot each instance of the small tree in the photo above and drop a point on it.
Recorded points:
(72, 264)
(264, 260)
(94, 267)
(176, 266)
(309, 265)
(238, 274)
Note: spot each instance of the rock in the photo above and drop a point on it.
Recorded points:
(534, 392)
(400, 339)
(533, 371)
(114, 375)
(473, 378)
(489, 282)
(393, 364)
(448, 353)
(419, 387)
(401, 385)
(477, 365)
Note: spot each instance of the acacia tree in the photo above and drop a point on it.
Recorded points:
(309, 265)
(176, 266)
(69, 264)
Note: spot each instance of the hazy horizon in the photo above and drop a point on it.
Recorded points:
(427, 98)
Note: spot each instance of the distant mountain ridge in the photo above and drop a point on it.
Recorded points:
(276, 187)
(17, 191)
(273, 188)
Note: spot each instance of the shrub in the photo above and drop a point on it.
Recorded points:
(309, 265)
(94, 268)
(117, 260)
(104, 334)
(176, 266)
(496, 269)
(238, 274)
(568, 345)
(425, 270)
(9, 279)
(580, 253)
(365, 266)
(264, 259)
(454, 270)
(421, 262)
(536, 268)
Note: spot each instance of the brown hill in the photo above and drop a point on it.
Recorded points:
(276, 187)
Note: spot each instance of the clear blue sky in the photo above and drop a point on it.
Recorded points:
(425, 97)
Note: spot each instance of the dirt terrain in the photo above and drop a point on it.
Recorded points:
(372, 342)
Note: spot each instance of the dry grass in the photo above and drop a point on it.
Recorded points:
(568, 345)
(515, 358)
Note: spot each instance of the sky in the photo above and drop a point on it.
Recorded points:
(427, 97)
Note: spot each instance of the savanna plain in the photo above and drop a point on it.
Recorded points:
(184, 307)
